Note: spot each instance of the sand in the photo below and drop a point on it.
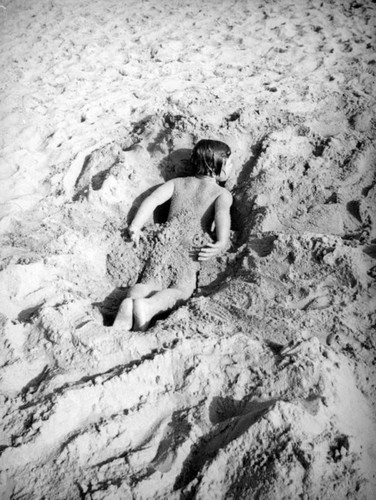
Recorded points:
(263, 384)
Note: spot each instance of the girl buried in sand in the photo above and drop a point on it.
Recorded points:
(169, 278)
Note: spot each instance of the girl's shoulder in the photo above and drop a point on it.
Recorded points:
(225, 194)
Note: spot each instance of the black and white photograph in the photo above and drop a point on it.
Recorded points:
(188, 249)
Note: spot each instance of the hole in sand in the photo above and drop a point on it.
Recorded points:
(27, 315)
(353, 208)
(263, 246)
(98, 179)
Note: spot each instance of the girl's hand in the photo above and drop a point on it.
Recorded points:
(135, 235)
(211, 250)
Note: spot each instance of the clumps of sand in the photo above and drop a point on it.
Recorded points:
(262, 384)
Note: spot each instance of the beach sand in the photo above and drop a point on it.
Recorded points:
(263, 384)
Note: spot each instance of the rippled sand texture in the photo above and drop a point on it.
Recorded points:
(263, 384)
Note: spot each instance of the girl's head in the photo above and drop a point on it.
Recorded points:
(209, 157)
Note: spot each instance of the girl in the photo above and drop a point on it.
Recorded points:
(170, 275)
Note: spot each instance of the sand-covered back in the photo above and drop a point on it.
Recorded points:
(263, 384)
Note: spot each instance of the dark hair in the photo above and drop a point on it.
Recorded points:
(208, 157)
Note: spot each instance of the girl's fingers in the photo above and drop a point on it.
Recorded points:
(210, 250)
(205, 257)
(207, 253)
(136, 239)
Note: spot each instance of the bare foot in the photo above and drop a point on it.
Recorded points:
(142, 315)
(124, 318)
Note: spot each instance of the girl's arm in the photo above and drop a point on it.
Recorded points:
(162, 194)
(222, 227)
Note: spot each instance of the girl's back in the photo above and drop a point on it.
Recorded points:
(197, 196)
